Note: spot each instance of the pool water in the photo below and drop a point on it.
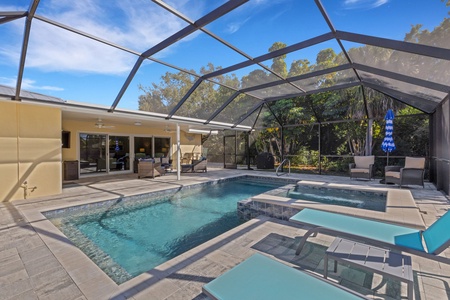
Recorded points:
(351, 198)
(127, 238)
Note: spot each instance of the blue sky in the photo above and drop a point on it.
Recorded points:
(65, 65)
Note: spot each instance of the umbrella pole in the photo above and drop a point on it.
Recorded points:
(387, 161)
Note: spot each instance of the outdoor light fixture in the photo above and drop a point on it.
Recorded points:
(202, 131)
(142, 150)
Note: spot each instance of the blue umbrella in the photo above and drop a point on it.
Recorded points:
(388, 144)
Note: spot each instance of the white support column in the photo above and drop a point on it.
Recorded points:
(178, 153)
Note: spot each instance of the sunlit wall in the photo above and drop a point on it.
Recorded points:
(30, 136)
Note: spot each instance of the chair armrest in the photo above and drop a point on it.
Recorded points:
(412, 172)
(351, 165)
(392, 169)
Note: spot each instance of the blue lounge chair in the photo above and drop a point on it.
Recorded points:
(430, 242)
(260, 277)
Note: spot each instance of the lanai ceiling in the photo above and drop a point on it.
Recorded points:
(125, 44)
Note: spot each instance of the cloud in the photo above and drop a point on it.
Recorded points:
(363, 4)
(235, 26)
(28, 84)
(253, 8)
(50, 88)
(134, 24)
(8, 81)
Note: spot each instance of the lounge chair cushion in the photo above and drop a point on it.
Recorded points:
(415, 162)
(363, 162)
(260, 277)
(356, 170)
(383, 232)
(393, 174)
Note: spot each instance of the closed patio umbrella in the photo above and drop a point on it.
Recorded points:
(388, 144)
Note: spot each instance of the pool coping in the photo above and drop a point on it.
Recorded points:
(401, 208)
(91, 280)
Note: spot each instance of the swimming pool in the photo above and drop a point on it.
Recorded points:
(343, 197)
(291, 198)
(128, 236)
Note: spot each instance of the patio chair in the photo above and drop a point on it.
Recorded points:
(149, 168)
(428, 243)
(260, 277)
(200, 165)
(362, 167)
(411, 174)
(197, 165)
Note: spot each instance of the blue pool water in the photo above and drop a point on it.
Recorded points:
(127, 238)
(342, 197)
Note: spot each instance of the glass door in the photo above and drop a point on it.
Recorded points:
(143, 148)
(93, 156)
(162, 147)
(119, 153)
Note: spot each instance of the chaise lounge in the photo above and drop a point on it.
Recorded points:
(260, 277)
(197, 165)
(428, 243)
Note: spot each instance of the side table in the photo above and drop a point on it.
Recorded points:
(378, 260)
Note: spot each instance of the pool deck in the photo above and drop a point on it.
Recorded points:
(38, 262)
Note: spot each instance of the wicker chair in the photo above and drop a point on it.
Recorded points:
(411, 174)
(362, 167)
(148, 168)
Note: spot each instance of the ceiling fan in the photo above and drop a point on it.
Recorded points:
(100, 124)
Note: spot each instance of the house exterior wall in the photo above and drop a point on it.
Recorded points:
(189, 142)
(30, 136)
(31, 151)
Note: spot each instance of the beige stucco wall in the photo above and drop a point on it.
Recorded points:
(189, 142)
(30, 136)
(31, 151)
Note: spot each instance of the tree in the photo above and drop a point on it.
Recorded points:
(279, 65)
(203, 102)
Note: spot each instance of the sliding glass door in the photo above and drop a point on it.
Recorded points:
(102, 153)
(107, 153)
(119, 153)
(162, 146)
(93, 153)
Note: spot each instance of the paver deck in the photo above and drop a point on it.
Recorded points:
(38, 262)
